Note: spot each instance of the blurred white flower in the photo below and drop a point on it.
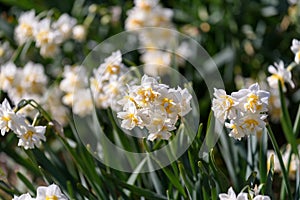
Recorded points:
(52, 102)
(52, 192)
(46, 38)
(279, 73)
(79, 33)
(8, 72)
(23, 197)
(82, 104)
(27, 24)
(146, 4)
(262, 197)
(223, 105)
(34, 78)
(74, 78)
(109, 81)
(296, 50)
(20, 83)
(294, 163)
(232, 196)
(31, 136)
(156, 62)
(64, 26)
(9, 120)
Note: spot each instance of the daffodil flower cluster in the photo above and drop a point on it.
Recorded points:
(241, 196)
(75, 87)
(243, 112)
(109, 81)
(30, 82)
(48, 35)
(29, 136)
(51, 192)
(154, 106)
(104, 88)
(149, 13)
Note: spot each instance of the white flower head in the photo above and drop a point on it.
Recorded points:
(8, 72)
(27, 24)
(130, 118)
(232, 196)
(44, 34)
(145, 4)
(83, 102)
(64, 25)
(223, 105)
(262, 197)
(253, 99)
(156, 62)
(50, 192)
(79, 33)
(23, 197)
(154, 106)
(74, 78)
(9, 120)
(246, 125)
(279, 73)
(34, 78)
(296, 50)
(31, 136)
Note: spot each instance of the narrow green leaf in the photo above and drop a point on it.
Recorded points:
(26, 182)
(220, 177)
(269, 181)
(263, 147)
(296, 128)
(174, 180)
(278, 153)
(286, 122)
(188, 183)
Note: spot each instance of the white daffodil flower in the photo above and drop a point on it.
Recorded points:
(23, 197)
(52, 192)
(279, 73)
(31, 136)
(9, 120)
(223, 105)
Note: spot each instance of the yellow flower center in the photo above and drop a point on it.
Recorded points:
(278, 77)
(137, 22)
(53, 197)
(29, 135)
(113, 69)
(167, 104)
(145, 6)
(133, 118)
(42, 37)
(251, 123)
(147, 95)
(27, 29)
(252, 102)
(5, 118)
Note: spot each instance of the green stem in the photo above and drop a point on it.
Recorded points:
(278, 153)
